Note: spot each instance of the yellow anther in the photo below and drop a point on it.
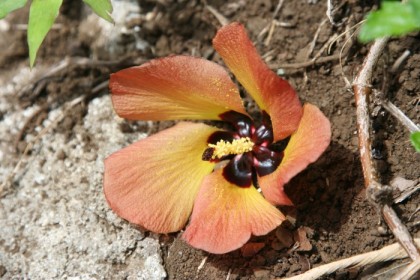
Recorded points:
(236, 147)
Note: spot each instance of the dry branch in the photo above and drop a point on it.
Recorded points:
(362, 89)
(388, 253)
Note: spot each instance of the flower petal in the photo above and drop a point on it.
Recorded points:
(305, 146)
(154, 181)
(272, 94)
(225, 215)
(172, 88)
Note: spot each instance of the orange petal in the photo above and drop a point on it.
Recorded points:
(272, 93)
(172, 88)
(225, 216)
(154, 181)
(305, 146)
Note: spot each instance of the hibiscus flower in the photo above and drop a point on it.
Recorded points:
(199, 174)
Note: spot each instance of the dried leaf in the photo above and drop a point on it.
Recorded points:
(301, 237)
(250, 249)
(284, 236)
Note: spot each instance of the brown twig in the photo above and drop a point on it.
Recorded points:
(313, 61)
(362, 90)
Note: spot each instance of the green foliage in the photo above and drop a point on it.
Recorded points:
(41, 18)
(415, 140)
(42, 15)
(392, 19)
(8, 6)
(102, 8)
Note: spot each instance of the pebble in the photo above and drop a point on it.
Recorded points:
(261, 273)
(61, 155)
(3, 270)
(382, 231)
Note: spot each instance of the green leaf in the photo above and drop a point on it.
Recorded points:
(415, 140)
(8, 6)
(42, 15)
(415, 5)
(102, 8)
(393, 19)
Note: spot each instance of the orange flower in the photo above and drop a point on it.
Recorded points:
(201, 173)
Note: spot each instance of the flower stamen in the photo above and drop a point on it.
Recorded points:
(236, 147)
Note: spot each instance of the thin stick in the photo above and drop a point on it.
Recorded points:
(272, 24)
(409, 271)
(400, 231)
(398, 114)
(311, 62)
(387, 271)
(399, 61)
(388, 253)
(362, 90)
(221, 18)
(203, 262)
(228, 275)
(329, 12)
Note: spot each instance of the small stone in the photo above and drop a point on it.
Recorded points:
(40, 179)
(280, 269)
(3, 271)
(61, 155)
(261, 273)
(410, 85)
(90, 156)
(382, 231)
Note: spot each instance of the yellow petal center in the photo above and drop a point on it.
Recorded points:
(236, 147)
